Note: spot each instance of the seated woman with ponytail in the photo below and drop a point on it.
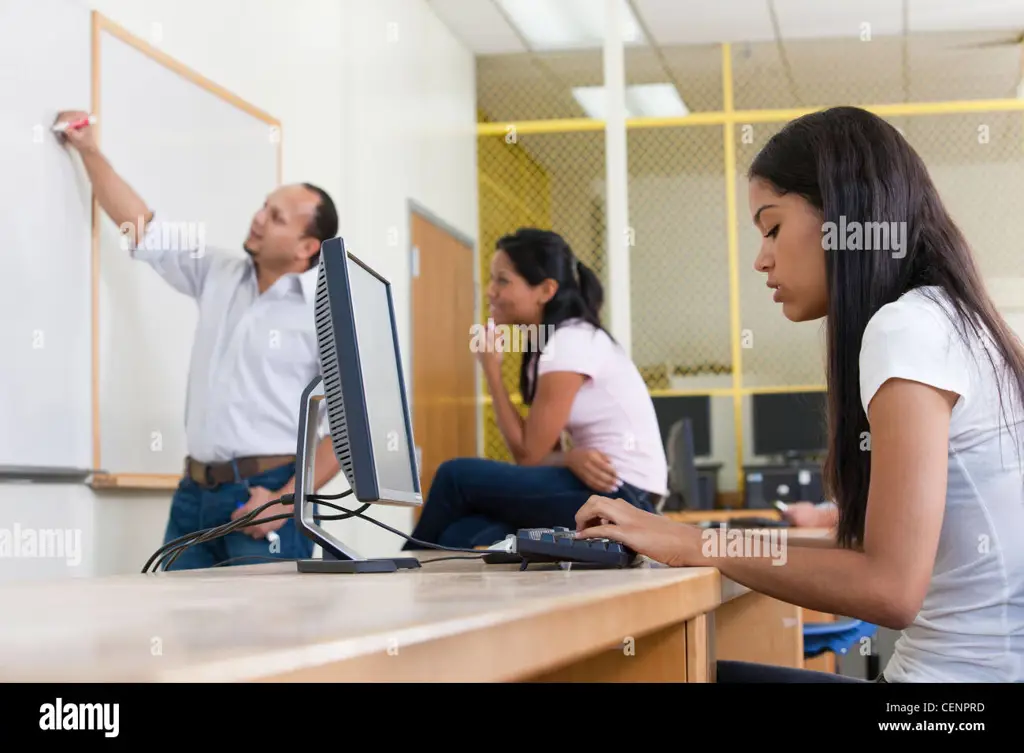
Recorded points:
(575, 379)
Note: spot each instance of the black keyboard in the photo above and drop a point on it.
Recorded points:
(561, 545)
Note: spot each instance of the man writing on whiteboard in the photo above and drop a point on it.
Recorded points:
(255, 351)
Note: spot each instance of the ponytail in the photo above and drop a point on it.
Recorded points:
(591, 294)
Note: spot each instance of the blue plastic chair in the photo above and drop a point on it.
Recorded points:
(839, 637)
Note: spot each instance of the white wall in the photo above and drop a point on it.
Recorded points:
(377, 103)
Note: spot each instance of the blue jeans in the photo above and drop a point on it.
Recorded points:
(477, 502)
(194, 508)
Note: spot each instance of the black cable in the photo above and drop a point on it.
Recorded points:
(166, 555)
(324, 496)
(245, 521)
(182, 543)
(455, 557)
(256, 557)
(270, 558)
(476, 553)
(427, 544)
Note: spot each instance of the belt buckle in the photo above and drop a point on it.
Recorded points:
(208, 476)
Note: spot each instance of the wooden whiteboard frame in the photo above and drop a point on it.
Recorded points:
(100, 24)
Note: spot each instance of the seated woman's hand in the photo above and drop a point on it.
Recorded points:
(809, 515)
(490, 354)
(654, 536)
(593, 468)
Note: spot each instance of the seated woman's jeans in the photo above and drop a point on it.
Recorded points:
(477, 502)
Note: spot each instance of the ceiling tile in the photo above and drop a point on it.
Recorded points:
(805, 19)
(566, 25)
(479, 25)
(704, 21)
(483, 28)
(976, 15)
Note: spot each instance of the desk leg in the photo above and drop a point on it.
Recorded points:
(825, 662)
(757, 628)
(661, 656)
(700, 649)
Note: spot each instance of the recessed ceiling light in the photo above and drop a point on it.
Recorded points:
(642, 101)
(655, 101)
(567, 24)
(592, 100)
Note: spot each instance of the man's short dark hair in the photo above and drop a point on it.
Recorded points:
(324, 224)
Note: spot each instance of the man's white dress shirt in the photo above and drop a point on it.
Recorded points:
(253, 354)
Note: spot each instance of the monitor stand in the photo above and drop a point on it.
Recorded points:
(337, 557)
(357, 565)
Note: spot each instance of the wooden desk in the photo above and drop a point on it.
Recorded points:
(450, 621)
(700, 516)
(755, 627)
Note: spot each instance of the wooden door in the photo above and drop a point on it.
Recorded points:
(444, 396)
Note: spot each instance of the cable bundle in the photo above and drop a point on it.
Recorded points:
(165, 556)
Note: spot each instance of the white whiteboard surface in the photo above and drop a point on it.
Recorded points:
(194, 157)
(45, 239)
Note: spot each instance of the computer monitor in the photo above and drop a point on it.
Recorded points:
(789, 424)
(365, 399)
(671, 408)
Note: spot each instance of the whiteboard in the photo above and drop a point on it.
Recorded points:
(197, 156)
(45, 239)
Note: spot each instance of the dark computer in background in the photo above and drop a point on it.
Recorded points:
(671, 408)
(789, 426)
(685, 424)
(365, 398)
(789, 430)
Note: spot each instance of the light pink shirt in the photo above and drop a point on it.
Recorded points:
(613, 411)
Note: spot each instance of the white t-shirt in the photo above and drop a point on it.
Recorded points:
(971, 624)
(613, 411)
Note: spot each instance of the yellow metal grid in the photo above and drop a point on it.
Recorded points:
(703, 323)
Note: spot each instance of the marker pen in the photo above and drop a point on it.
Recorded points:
(81, 123)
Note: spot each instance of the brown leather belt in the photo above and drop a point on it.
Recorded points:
(212, 474)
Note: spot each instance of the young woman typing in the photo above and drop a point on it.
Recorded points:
(576, 380)
(924, 381)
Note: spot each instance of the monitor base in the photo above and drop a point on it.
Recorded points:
(357, 566)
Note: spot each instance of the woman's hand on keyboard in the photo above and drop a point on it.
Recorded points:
(655, 536)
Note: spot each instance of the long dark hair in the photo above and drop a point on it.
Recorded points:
(849, 163)
(539, 255)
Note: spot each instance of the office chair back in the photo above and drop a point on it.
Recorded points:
(683, 481)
